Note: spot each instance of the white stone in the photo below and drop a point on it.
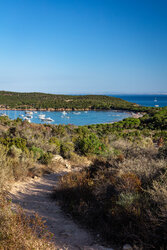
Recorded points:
(127, 247)
(57, 158)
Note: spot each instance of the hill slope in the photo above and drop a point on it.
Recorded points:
(15, 100)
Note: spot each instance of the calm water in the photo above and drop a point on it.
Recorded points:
(77, 118)
(146, 100)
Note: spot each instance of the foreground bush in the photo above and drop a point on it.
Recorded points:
(124, 199)
(18, 231)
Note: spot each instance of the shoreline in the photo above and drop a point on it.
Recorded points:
(72, 109)
(130, 113)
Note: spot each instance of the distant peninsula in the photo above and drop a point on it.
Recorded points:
(53, 102)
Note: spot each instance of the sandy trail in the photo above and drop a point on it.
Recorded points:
(34, 197)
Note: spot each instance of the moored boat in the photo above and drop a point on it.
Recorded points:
(48, 119)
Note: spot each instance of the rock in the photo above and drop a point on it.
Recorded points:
(58, 158)
(127, 247)
(67, 164)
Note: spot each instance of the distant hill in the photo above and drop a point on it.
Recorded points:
(15, 100)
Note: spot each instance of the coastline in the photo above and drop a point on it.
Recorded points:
(130, 114)
(73, 109)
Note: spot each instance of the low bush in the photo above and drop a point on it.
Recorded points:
(119, 200)
(14, 152)
(37, 152)
(162, 152)
(18, 231)
(66, 149)
(17, 142)
(46, 158)
(90, 145)
(56, 142)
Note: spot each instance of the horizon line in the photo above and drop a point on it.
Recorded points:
(89, 93)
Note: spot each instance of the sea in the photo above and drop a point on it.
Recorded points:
(90, 117)
(145, 100)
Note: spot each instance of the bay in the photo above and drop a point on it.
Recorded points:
(91, 117)
(71, 117)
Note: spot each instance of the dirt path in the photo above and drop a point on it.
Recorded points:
(34, 197)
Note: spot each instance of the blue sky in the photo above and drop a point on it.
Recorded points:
(83, 46)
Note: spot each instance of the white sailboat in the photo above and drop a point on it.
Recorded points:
(41, 116)
(47, 119)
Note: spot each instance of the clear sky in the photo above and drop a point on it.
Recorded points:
(83, 46)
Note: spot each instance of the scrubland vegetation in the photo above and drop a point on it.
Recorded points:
(122, 196)
(18, 231)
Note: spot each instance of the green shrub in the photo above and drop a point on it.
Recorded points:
(56, 143)
(38, 152)
(127, 200)
(16, 141)
(66, 149)
(59, 130)
(90, 145)
(46, 158)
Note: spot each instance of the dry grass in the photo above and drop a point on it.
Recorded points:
(123, 198)
(17, 231)
(122, 194)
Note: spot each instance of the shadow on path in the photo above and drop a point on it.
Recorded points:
(34, 197)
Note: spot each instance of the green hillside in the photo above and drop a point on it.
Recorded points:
(14, 100)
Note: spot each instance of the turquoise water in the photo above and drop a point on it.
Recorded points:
(76, 118)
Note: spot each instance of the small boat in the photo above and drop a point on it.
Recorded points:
(64, 112)
(77, 113)
(41, 116)
(155, 100)
(157, 106)
(47, 119)
(29, 116)
(29, 112)
(27, 119)
(4, 115)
